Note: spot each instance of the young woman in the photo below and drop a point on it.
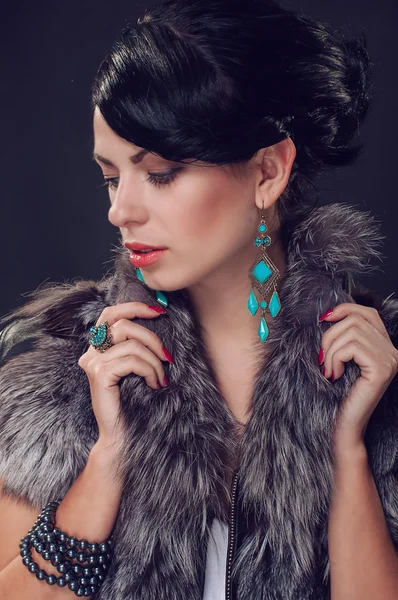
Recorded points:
(218, 418)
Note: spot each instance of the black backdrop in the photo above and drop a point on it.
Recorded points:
(54, 223)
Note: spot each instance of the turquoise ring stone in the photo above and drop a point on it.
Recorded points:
(101, 337)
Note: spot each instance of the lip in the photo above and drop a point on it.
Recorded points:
(137, 246)
(144, 260)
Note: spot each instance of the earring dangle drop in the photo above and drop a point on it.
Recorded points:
(160, 297)
(264, 276)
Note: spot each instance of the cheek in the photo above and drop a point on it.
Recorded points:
(209, 217)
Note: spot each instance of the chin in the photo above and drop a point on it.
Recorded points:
(169, 282)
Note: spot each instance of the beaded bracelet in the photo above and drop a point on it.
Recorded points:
(83, 579)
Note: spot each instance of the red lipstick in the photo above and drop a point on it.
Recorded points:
(139, 259)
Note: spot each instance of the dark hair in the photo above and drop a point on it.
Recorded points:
(217, 80)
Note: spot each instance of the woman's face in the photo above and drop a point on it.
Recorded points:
(206, 217)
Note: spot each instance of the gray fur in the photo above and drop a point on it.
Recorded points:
(179, 439)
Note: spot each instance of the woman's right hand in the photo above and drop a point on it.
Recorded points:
(135, 349)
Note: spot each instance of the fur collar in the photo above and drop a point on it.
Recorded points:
(179, 439)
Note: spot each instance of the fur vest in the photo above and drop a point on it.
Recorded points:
(180, 439)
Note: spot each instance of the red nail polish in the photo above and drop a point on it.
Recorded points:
(321, 356)
(165, 381)
(324, 371)
(157, 309)
(325, 315)
(167, 355)
(333, 378)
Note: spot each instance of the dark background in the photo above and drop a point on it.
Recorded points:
(54, 223)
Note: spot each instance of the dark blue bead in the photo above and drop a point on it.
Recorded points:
(94, 548)
(72, 542)
(26, 560)
(62, 537)
(80, 591)
(51, 579)
(33, 567)
(71, 553)
(46, 555)
(70, 576)
(78, 569)
(41, 575)
(73, 585)
(104, 548)
(63, 567)
(83, 544)
(81, 557)
(61, 582)
(87, 591)
(56, 559)
(87, 571)
(92, 559)
(84, 581)
(97, 570)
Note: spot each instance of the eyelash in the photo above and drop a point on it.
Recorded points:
(157, 179)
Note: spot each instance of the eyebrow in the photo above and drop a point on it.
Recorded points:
(135, 159)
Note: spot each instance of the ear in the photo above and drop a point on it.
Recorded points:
(274, 167)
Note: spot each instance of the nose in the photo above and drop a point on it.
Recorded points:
(125, 208)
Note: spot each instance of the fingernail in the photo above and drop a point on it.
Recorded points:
(333, 379)
(157, 309)
(324, 371)
(325, 315)
(165, 381)
(321, 356)
(167, 355)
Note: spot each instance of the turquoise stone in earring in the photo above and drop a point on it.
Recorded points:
(160, 297)
(140, 275)
(252, 303)
(263, 330)
(274, 304)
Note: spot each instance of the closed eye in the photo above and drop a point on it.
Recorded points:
(157, 179)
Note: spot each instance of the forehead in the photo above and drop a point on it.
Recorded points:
(105, 137)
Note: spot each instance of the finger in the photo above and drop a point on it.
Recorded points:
(127, 310)
(368, 313)
(127, 364)
(126, 330)
(351, 337)
(353, 322)
(133, 347)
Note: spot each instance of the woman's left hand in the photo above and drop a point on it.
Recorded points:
(359, 334)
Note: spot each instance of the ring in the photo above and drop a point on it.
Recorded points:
(101, 337)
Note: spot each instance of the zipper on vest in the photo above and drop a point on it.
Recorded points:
(231, 537)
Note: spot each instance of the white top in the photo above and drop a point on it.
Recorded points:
(216, 559)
